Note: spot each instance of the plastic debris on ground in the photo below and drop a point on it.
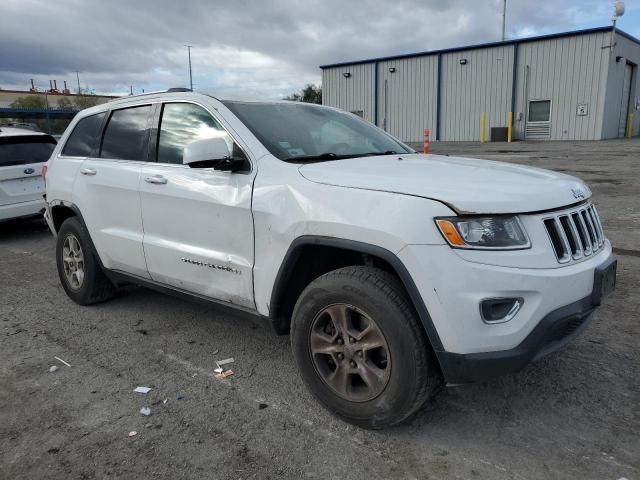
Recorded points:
(223, 375)
(165, 400)
(133, 433)
(53, 368)
(142, 390)
(146, 411)
(62, 361)
(226, 361)
(220, 372)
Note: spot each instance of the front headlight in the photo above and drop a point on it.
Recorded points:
(497, 233)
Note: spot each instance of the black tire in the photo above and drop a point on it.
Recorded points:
(95, 286)
(413, 372)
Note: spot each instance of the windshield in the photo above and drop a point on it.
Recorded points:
(299, 132)
(25, 149)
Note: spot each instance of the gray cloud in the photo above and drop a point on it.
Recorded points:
(257, 47)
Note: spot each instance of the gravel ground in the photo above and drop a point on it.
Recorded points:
(574, 414)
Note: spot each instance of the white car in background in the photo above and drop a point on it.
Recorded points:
(23, 153)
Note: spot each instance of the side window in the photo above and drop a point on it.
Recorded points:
(183, 123)
(84, 136)
(126, 134)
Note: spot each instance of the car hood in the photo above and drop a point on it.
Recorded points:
(467, 185)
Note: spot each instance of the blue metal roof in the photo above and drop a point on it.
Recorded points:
(38, 112)
(487, 45)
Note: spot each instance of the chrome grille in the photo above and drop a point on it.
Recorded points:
(575, 233)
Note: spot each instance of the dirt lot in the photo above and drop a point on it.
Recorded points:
(575, 414)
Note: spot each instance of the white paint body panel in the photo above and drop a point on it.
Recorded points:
(466, 184)
(110, 204)
(246, 223)
(199, 215)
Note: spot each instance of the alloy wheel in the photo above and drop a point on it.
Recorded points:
(73, 262)
(350, 352)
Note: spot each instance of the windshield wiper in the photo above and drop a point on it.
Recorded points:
(323, 157)
(375, 154)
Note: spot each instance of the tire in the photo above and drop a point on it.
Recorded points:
(94, 286)
(366, 294)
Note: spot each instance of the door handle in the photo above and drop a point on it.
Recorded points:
(88, 171)
(157, 179)
(29, 171)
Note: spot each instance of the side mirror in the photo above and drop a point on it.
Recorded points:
(213, 153)
(207, 150)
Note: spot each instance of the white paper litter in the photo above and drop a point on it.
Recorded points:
(142, 390)
(61, 360)
(146, 411)
(218, 370)
(53, 368)
(133, 433)
(225, 361)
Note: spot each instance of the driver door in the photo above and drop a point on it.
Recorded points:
(198, 225)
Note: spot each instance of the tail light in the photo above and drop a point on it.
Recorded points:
(44, 172)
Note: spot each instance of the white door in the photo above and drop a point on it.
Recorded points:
(625, 99)
(198, 225)
(21, 185)
(106, 190)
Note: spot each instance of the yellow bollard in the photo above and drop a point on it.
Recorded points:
(630, 125)
(482, 122)
(509, 126)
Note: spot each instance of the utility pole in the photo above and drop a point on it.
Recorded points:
(190, 75)
(504, 19)
(78, 78)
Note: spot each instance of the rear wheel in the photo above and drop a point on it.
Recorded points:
(360, 348)
(78, 268)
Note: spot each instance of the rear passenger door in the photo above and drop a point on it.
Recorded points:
(198, 225)
(106, 189)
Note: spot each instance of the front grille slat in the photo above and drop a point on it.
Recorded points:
(575, 234)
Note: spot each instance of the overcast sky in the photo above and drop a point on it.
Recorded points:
(253, 49)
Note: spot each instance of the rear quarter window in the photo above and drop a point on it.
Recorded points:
(84, 137)
(24, 149)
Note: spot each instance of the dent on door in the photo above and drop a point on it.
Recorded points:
(198, 231)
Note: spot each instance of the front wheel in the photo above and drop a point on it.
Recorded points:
(360, 347)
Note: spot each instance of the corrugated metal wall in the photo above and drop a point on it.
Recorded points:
(628, 51)
(483, 84)
(568, 71)
(352, 94)
(407, 97)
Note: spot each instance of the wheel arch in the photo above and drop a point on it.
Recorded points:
(293, 277)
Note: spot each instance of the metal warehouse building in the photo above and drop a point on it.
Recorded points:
(568, 86)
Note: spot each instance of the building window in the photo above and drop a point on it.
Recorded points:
(540, 110)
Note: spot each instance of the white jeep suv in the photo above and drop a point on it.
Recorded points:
(391, 269)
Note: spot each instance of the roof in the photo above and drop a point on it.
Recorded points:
(486, 45)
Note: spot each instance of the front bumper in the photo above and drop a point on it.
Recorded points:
(558, 303)
(554, 330)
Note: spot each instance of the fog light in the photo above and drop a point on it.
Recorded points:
(499, 310)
